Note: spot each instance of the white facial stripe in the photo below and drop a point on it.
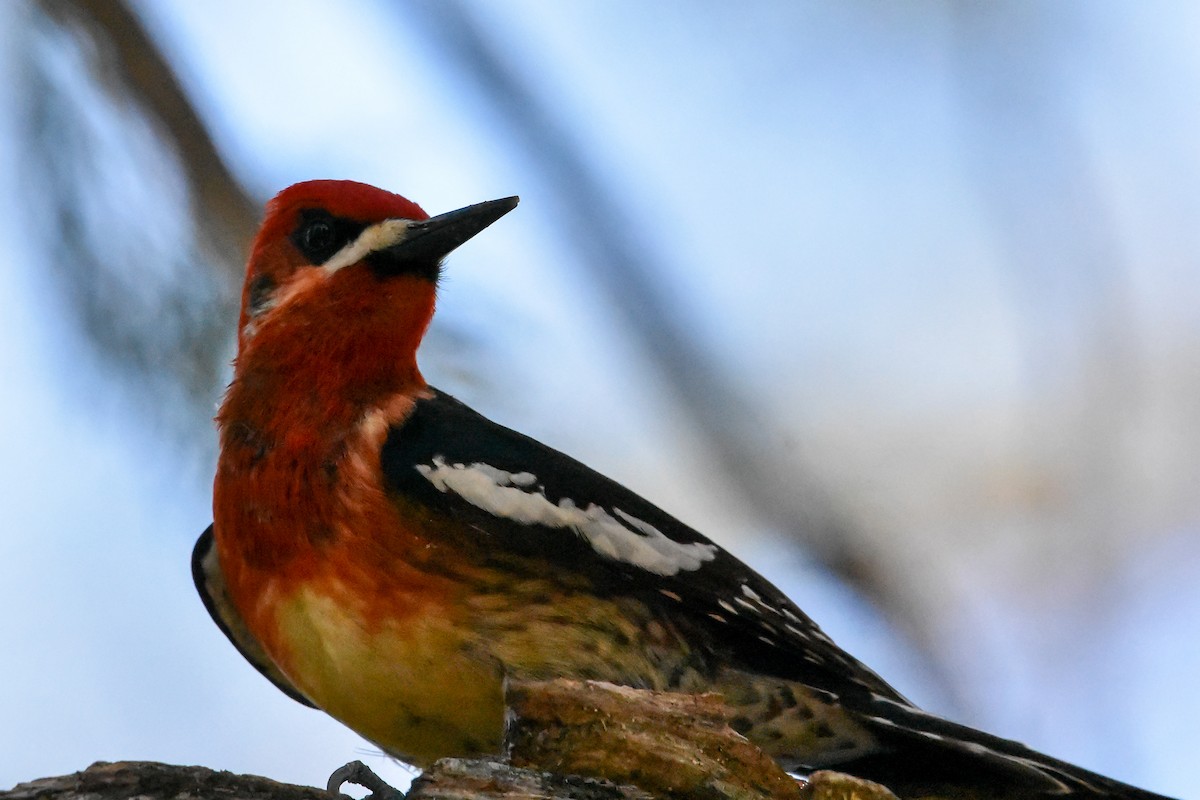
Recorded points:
(376, 237)
(514, 496)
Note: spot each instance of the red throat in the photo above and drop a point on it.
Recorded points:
(325, 359)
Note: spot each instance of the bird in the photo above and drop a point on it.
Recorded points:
(383, 552)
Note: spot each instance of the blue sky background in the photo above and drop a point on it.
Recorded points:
(946, 253)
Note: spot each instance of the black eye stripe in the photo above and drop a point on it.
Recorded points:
(319, 234)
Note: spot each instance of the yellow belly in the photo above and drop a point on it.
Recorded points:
(417, 689)
(430, 684)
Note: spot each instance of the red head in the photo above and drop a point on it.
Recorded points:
(284, 246)
(347, 270)
(339, 290)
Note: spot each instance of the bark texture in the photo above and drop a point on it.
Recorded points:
(565, 740)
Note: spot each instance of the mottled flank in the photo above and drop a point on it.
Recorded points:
(799, 727)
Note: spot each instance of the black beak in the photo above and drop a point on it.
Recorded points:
(431, 240)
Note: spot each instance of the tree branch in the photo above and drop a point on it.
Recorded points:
(565, 740)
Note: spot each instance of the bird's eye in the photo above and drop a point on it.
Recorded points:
(318, 238)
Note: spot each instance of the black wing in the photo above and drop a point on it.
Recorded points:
(210, 583)
(664, 562)
(442, 454)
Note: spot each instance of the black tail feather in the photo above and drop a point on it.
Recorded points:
(925, 756)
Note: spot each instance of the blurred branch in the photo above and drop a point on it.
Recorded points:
(1065, 265)
(141, 218)
(143, 73)
(1071, 284)
(784, 493)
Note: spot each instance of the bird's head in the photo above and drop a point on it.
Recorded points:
(334, 258)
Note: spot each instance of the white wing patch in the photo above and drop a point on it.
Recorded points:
(516, 496)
